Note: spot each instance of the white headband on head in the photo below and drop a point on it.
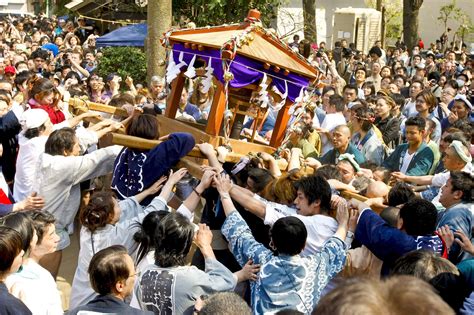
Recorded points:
(460, 151)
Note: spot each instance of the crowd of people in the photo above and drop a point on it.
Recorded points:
(273, 233)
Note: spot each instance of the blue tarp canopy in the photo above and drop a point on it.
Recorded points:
(130, 35)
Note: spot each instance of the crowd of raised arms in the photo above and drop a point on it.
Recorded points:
(269, 234)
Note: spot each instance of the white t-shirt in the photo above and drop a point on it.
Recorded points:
(406, 161)
(409, 110)
(320, 227)
(440, 179)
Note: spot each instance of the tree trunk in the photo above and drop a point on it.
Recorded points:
(411, 8)
(158, 21)
(309, 17)
(378, 5)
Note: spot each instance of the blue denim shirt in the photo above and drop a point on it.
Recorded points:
(458, 218)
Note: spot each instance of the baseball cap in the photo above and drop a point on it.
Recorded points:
(33, 118)
(463, 98)
(10, 70)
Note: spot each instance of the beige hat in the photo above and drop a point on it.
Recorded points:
(34, 118)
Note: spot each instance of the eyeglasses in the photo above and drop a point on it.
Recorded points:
(136, 274)
(447, 93)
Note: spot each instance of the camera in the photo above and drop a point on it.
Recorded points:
(162, 95)
(66, 60)
(320, 52)
(347, 52)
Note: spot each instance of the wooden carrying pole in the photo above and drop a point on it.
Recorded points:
(85, 106)
(145, 144)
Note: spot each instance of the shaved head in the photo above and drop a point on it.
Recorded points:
(377, 189)
(344, 130)
(341, 136)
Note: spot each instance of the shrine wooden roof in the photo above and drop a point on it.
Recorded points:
(264, 47)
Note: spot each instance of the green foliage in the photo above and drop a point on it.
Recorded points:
(126, 61)
(466, 27)
(217, 12)
(449, 11)
(393, 17)
(60, 9)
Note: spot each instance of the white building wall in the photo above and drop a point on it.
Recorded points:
(429, 27)
(13, 6)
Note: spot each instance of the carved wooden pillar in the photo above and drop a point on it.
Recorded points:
(172, 102)
(280, 125)
(216, 115)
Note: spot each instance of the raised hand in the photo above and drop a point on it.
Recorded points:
(464, 242)
(207, 178)
(399, 176)
(248, 272)
(203, 237)
(153, 189)
(342, 215)
(447, 235)
(32, 202)
(175, 177)
(223, 183)
(353, 217)
(206, 148)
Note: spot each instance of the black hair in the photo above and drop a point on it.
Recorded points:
(351, 87)
(147, 230)
(107, 267)
(10, 247)
(41, 220)
(40, 53)
(315, 188)
(360, 68)
(98, 211)
(20, 222)
(337, 101)
(328, 171)
(397, 76)
(60, 140)
(419, 217)
(399, 194)
(390, 215)
(34, 132)
(369, 85)
(464, 182)
(399, 99)
(173, 239)
(375, 50)
(365, 116)
(22, 77)
(417, 121)
(418, 81)
(144, 126)
(261, 177)
(288, 235)
(73, 75)
(435, 75)
(457, 135)
(327, 89)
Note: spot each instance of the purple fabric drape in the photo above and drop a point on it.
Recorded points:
(244, 76)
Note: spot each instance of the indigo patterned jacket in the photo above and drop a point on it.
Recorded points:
(284, 281)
